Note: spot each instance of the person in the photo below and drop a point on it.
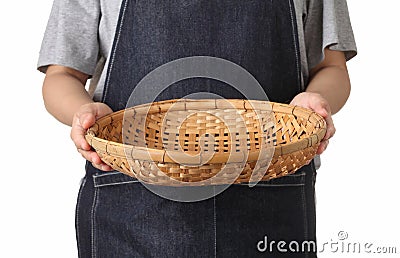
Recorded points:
(296, 49)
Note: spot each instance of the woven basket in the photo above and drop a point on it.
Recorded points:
(202, 142)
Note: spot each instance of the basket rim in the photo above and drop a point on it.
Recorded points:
(165, 156)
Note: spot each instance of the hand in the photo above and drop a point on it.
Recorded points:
(318, 104)
(82, 120)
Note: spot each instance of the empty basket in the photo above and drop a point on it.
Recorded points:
(209, 141)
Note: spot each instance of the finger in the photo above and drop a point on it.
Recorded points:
(82, 121)
(94, 158)
(91, 156)
(86, 120)
(322, 147)
(103, 167)
(320, 106)
(323, 109)
(330, 128)
(78, 137)
(97, 110)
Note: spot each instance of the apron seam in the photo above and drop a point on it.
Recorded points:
(93, 223)
(295, 43)
(106, 174)
(215, 224)
(305, 214)
(117, 183)
(77, 215)
(271, 185)
(112, 59)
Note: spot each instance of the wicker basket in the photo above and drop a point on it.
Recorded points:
(202, 142)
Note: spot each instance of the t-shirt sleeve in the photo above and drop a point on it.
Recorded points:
(71, 36)
(327, 24)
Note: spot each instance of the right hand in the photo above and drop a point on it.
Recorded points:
(83, 119)
(320, 105)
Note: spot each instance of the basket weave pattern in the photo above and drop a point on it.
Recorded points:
(207, 141)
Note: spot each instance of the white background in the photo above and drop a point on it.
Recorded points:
(357, 187)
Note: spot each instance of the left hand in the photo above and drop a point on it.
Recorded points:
(321, 106)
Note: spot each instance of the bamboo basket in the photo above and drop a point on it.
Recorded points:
(209, 141)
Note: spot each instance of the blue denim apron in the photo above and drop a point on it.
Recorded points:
(118, 217)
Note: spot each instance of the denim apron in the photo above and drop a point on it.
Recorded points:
(119, 217)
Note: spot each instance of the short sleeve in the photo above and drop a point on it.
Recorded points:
(327, 24)
(71, 36)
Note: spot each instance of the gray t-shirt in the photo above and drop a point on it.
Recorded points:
(86, 45)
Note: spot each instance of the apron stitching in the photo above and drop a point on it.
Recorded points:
(215, 225)
(305, 222)
(111, 65)
(106, 174)
(93, 226)
(295, 45)
(119, 183)
(77, 215)
(271, 185)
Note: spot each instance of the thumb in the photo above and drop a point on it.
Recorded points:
(87, 120)
(319, 106)
(92, 112)
(321, 110)
(101, 110)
